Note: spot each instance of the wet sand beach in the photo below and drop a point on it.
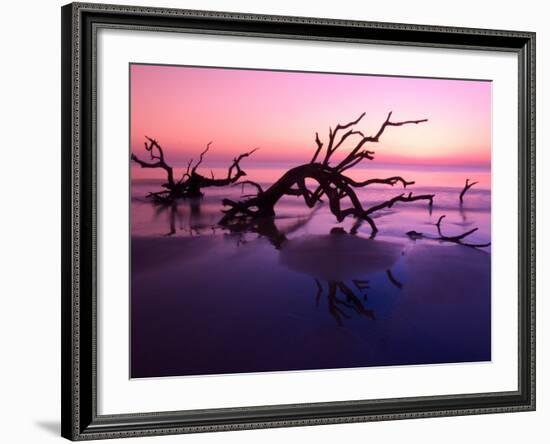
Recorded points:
(208, 301)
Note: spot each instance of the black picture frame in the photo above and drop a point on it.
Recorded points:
(79, 207)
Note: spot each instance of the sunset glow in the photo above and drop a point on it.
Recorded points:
(184, 108)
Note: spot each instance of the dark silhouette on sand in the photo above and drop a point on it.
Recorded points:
(457, 239)
(191, 183)
(331, 180)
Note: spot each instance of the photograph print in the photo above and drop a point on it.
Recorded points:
(293, 221)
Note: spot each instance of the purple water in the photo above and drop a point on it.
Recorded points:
(206, 300)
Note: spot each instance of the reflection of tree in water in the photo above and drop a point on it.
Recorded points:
(346, 295)
(174, 216)
(344, 299)
(267, 228)
(337, 305)
(177, 218)
(463, 214)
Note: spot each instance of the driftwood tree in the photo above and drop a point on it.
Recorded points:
(191, 182)
(467, 186)
(330, 177)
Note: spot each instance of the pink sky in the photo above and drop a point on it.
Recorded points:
(184, 108)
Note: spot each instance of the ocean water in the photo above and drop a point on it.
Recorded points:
(292, 296)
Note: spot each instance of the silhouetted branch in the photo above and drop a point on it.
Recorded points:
(401, 198)
(467, 186)
(356, 154)
(157, 155)
(458, 239)
(236, 166)
(191, 182)
(389, 181)
(332, 147)
(319, 147)
(201, 157)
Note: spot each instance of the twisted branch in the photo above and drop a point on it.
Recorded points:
(191, 181)
(159, 156)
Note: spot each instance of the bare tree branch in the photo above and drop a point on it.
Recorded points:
(201, 156)
(467, 186)
(389, 181)
(332, 135)
(159, 156)
(236, 164)
(319, 147)
(401, 198)
(390, 123)
(458, 239)
(356, 154)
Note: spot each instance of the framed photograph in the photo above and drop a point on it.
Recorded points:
(281, 221)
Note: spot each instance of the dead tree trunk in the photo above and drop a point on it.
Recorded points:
(331, 180)
(191, 183)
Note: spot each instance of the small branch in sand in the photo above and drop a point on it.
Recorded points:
(458, 239)
(467, 186)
